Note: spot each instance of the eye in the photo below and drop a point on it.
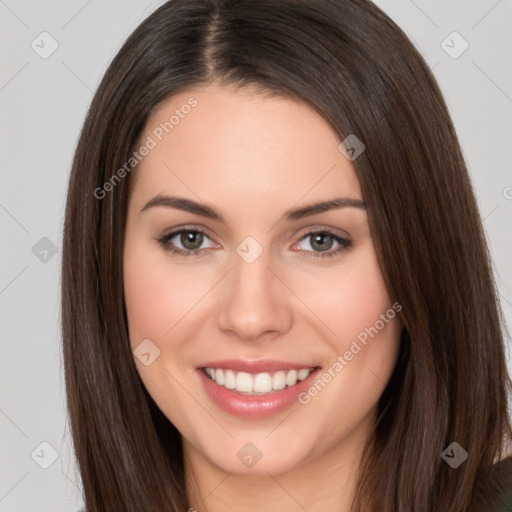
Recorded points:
(321, 243)
(189, 239)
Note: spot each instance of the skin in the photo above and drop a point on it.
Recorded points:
(253, 157)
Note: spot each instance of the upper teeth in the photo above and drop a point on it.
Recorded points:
(259, 383)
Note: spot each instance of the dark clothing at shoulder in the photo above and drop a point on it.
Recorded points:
(495, 492)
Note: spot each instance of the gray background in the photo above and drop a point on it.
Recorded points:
(43, 104)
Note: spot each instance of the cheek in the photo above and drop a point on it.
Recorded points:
(345, 301)
(157, 298)
(348, 300)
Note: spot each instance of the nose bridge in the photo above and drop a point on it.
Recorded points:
(254, 302)
(251, 260)
(254, 279)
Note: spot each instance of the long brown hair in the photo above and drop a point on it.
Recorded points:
(357, 69)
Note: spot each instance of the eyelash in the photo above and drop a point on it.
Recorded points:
(164, 241)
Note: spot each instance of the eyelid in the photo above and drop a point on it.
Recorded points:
(328, 229)
(170, 233)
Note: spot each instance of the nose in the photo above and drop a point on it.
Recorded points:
(255, 301)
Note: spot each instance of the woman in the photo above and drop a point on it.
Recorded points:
(276, 288)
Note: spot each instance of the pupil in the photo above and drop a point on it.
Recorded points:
(320, 238)
(195, 240)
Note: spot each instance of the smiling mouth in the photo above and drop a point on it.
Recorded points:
(257, 384)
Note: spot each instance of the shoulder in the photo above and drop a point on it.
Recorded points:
(494, 491)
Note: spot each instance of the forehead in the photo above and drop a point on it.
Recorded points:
(221, 145)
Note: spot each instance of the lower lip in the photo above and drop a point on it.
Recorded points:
(254, 406)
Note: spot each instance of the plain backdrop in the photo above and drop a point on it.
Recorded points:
(43, 100)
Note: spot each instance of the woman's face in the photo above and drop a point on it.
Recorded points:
(259, 297)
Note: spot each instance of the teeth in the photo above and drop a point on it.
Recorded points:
(291, 377)
(243, 381)
(260, 383)
(229, 379)
(279, 379)
(302, 374)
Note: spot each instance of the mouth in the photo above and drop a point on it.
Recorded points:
(263, 383)
(255, 389)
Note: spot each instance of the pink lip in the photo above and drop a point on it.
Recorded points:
(254, 406)
(259, 366)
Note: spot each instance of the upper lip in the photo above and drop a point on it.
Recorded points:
(258, 366)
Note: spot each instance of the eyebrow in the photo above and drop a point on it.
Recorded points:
(210, 212)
